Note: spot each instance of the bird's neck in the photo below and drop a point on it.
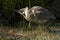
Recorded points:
(26, 13)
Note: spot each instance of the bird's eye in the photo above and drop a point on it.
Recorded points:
(22, 12)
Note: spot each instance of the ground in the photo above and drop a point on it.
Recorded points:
(27, 33)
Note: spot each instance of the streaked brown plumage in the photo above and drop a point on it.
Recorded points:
(36, 14)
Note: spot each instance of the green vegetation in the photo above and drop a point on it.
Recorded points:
(8, 7)
(22, 31)
(26, 33)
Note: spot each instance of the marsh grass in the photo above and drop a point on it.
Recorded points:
(24, 31)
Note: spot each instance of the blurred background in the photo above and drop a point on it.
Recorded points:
(7, 7)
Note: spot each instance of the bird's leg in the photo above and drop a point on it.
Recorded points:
(29, 25)
(39, 25)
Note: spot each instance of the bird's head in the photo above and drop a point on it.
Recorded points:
(23, 11)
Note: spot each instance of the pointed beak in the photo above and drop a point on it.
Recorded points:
(17, 11)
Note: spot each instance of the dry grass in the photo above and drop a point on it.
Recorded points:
(27, 33)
